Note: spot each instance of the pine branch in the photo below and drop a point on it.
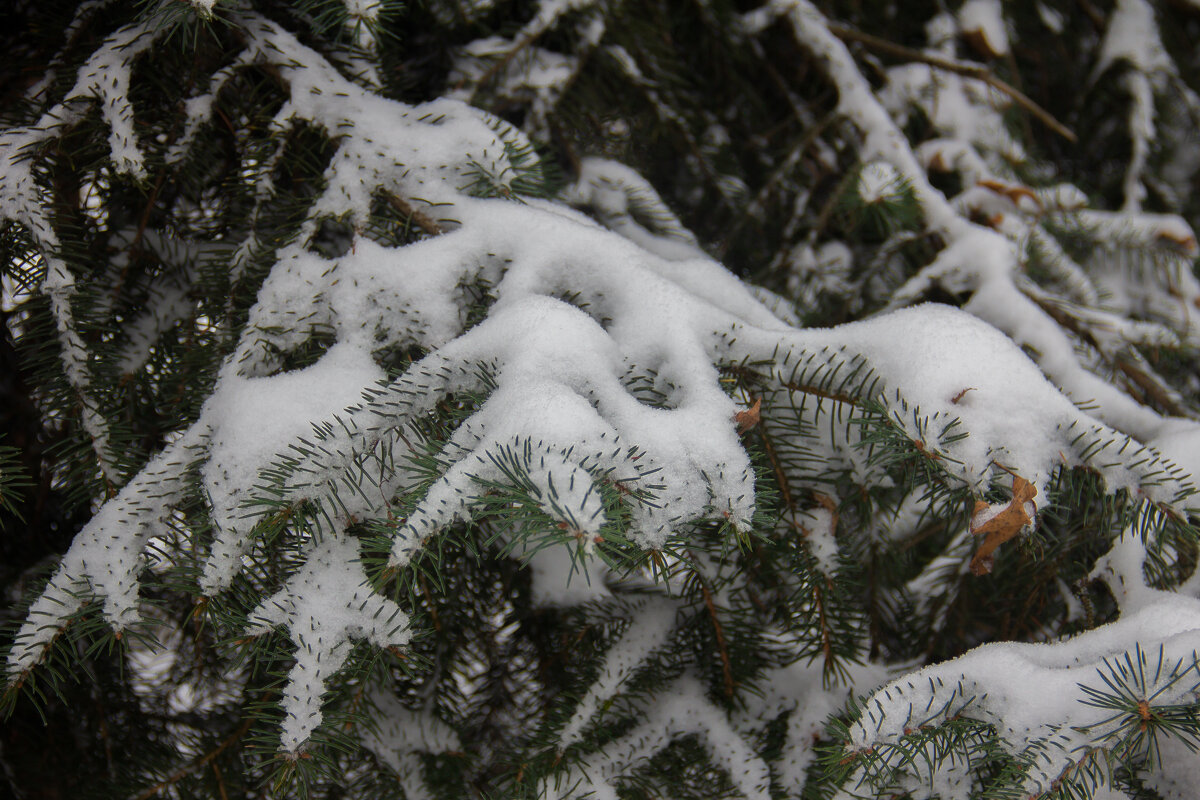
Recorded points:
(974, 71)
(423, 220)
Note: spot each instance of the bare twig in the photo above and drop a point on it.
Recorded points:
(220, 781)
(1093, 15)
(726, 667)
(422, 220)
(1150, 385)
(838, 397)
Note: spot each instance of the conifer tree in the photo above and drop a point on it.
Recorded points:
(600, 398)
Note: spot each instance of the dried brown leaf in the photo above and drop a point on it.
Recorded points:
(1005, 525)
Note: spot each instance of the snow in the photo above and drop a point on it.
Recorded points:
(651, 625)
(944, 372)
(985, 19)
(1180, 444)
(364, 9)
(105, 78)
(616, 193)
(801, 691)
(882, 139)
(252, 421)
(819, 534)
(878, 182)
(681, 710)
(1051, 17)
(105, 558)
(1132, 35)
(400, 734)
(578, 315)
(324, 607)
(1028, 690)
(565, 577)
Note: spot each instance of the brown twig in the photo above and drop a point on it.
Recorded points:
(780, 475)
(433, 614)
(826, 633)
(1137, 377)
(355, 701)
(967, 70)
(726, 667)
(1093, 14)
(1150, 387)
(220, 781)
(423, 220)
(813, 390)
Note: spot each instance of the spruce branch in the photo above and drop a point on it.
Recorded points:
(975, 71)
(209, 757)
(456, 477)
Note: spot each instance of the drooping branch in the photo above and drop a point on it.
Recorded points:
(975, 71)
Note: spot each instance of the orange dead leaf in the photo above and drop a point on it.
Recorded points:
(1014, 192)
(1144, 712)
(826, 502)
(996, 186)
(978, 39)
(750, 417)
(1183, 241)
(958, 397)
(1005, 525)
(199, 608)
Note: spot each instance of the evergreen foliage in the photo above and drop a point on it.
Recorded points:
(600, 398)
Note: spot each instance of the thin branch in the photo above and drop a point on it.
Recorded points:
(823, 620)
(780, 476)
(967, 70)
(1152, 387)
(220, 781)
(818, 392)
(423, 221)
(726, 667)
(1093, 15)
